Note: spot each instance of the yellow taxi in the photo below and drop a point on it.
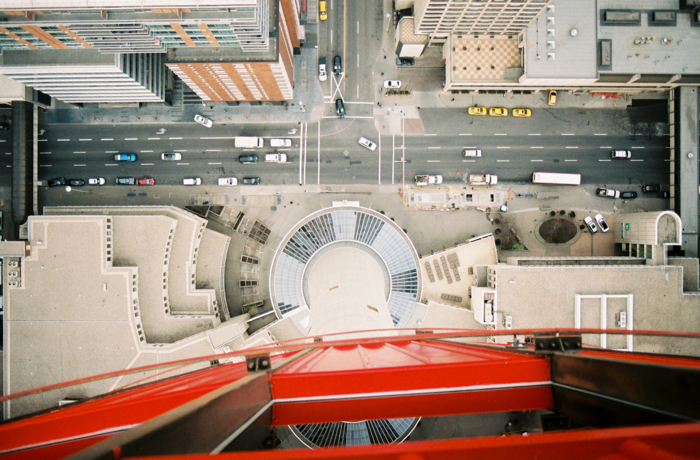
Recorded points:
(323, 10)
(498, 112)
(476, 110)
(522, 113)
(552, 99)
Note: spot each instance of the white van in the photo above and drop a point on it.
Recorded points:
(248, 142)
(192, 181)
(275, 158)
(475, 153)
(280, 142)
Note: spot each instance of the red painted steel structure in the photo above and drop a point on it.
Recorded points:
(380, 378)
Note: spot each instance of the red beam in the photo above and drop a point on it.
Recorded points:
(425, 405)
(665, 360)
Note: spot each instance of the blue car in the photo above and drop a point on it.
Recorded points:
(125, 157)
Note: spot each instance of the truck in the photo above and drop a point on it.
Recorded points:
(483, 179)
(427, 179)
(275, 157)
(248, 142)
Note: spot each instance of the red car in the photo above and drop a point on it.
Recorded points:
(145, 181)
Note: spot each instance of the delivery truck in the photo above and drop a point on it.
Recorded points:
(248, 142)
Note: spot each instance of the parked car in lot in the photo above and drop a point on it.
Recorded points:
(204, 121)
(145, 181)
(498, 112)
(337, 65)
(472, 153)
(125, 157)
(96, 181)
(405, 61)
(620, 154)
(522, 113)
(651, 188)
(57, 182)
(280, 142)
(339, 108)
(248, 159)
(608, 193)
(75, 182)
(366, 143)
(392, 83)
(590, 224)
(250, 181)
(275, 157)
(601, 223)
(628, 195)
(476, 110)
(192, 181)
(552, 98)
(171, 156)
(227, 181)
(125, 181)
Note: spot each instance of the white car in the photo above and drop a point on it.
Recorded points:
(228, 181)
(392, 83)
(96, 181)
(428, 179)
(275, 157)
(204, 121)
(322, 72)
(171, 156)
(476, 153)
(192, 181)
(590, 224)
(280, 142)
(624, 154)
(366, 143)
(604, 227)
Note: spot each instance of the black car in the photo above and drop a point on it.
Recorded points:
(4, 126)
(337, 67)
(250, 181)
(628, 195)
(405, 61)
(651, 188)
(125, 181)
(339, 108)
(248, 159)
(57, 182)
(76, 182)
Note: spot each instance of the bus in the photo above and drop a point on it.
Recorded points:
(556, 178)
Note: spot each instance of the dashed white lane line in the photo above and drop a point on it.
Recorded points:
(500, 134)
(468, 161)
(79, 152)
(534, 134)
(145, 151)
(175, 138)
(502, 147)
(5, 140)
(78, 165)
(465, 134)
(146, 164)
(536, 147)
(536, 160)
(40, 140)
(213, 150)
(636, 160)
(111, 164)
(603, 160)
(62, 140)
(183, 164)
(571, 147)
(600, 134)
(433, 161)
(42, 166)
(215, 163)
(570, 160)
(502, 161)
(432, 134)
(638, 147)
(154, 138)
(606, 147)
(107, 139)
(85, 140)
(434, 148)
(109, 151)
(46, 153)
(568, 134)
(225, 137)
(131, 138)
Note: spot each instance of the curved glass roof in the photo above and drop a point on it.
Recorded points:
(360, 225)
(341, 434)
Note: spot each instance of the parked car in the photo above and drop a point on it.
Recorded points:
(651, 188)
(339, 108)
(75, 182)
(125, 181)
(617, 154)
(204, 121)
(192, 181)
(57, 182)
(428, 179)
(280, 142)
(366, 143)
(664, 194)
(145, 181)
(248, 159)
(522, 113)
(171, 156)
(474, 153)
(552, 98)
(250, 181)
(392, 83)
(405, 61)
(323, 10)
(590, 224)
(476, 110)
(608, 193)
(601, 223)
(628, 195)
(96, 181)
(498, 112)
(337, 65)
(322, 70)
(4, 126)
(227, 181)
(125, 157)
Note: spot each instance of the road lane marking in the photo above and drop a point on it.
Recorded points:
(502, 161)
(107, 139)
(41, 166)
(186, 164)
(154, 138)
(131, 138)
(222, 137)
(600, 134)
(468, 161)
(433, 161)
(111, 164)
(534, 134)
(79, 152)
(567, 134)
(62, 140)
(641, 147)
(145, 151)
(636, 160)
(213, 150)
(536, 160)
(465, 134)
(85, 140)
(146, 164)
(502, 147)
(606, 147)
(571, 147)
(214, 163)
(46, 153)
(570, 160)
(108, 151)
(500, 134)
(603, 160)
(434, 148)
(174, 138)
(536, 147)
(40, 140)
(4, 140)
(358, 27)
(78, 165)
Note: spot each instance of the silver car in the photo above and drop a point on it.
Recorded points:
(590, 224)
(604, 227)
(366, 143)
(204, 121)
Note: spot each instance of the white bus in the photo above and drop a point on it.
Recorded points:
(556, 178)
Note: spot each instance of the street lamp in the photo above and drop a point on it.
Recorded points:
(71, 189)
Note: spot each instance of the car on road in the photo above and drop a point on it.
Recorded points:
(476, 111)
(275, 157)
(204, 121)
(428, 179)
(620, 154)
(171, 156)
(280, 142)
(339, 108)
(552, 98)
(590, 224)
(323, 10)
(250, 181)
(498, 112)
(651, 188)
(57, 182)
(405, 61)
(4, 126)
(322, 69)
(471, 153)
(608, 193)
(227, 181)
(522, 113)
(337, 65)
(96, 181)
(392, 83)
(75, 182)
(192, 181)
(125, 157)
(628, 195)
(366, 143)
(601, 223)
(125, 181)
(145, 181)
(248, 159)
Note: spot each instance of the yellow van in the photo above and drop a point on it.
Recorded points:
(323, 10)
